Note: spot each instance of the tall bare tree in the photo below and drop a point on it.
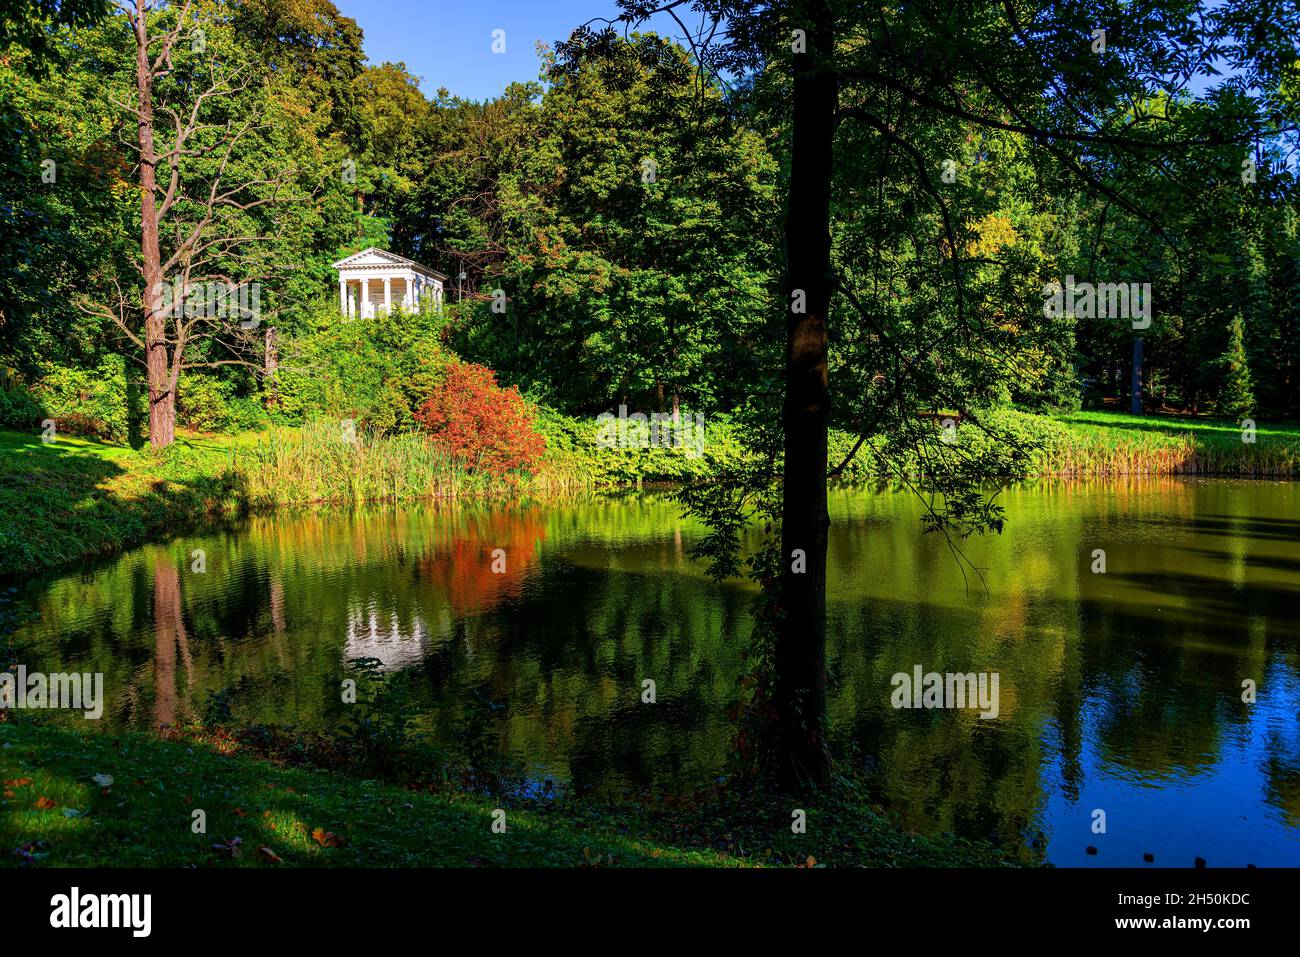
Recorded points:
(197, 116)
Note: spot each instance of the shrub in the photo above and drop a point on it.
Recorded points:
(478, 422)
(374, 371)
(208, 403)
(87, 401)
(19, 409)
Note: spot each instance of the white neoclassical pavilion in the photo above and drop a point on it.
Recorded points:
(376, 280)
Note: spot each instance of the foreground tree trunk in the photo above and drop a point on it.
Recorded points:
(190, 227)
(162, 397)
(799, 689)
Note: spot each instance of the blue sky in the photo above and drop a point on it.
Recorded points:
(449, 42)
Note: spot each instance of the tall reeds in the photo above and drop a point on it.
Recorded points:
(323, 462)
(1092, 450)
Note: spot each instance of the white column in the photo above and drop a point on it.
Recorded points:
(388, 295)
(365, 297)
(343, 296)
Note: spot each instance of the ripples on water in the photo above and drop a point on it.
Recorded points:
(1119, 692)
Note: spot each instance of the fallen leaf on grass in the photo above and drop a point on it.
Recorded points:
(326, 838)
(270, 855)
(231, 846)
(45, 803)
(18, 782)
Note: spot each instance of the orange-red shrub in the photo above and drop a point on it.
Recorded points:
(476, 421)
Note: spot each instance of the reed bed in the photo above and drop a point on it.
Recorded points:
(1084, 449)
(321, 464)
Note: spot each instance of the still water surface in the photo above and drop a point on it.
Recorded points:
(1119, 691)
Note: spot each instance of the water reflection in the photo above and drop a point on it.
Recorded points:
(1119, 691)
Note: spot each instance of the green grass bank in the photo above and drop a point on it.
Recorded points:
(78, 498)
(85, 799)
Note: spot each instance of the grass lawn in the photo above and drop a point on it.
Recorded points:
(77, 498)
(58, 809)
(1112, 443)
(1178, 425)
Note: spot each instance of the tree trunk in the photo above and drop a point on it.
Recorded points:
(1135, 391)
(271, 367)
(799, 688)
(162, 399)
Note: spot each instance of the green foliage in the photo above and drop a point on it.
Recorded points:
(1236, 398)
(91, 402)
(374, 371)
(209, 403)
(20, 410)
(574, 448)
(632, 233)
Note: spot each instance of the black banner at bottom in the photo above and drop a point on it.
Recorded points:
(332, 907)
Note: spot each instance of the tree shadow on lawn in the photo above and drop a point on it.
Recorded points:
(302, 818)
(66, 503)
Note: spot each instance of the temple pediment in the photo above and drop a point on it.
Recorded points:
(376, 280)
(375, 258)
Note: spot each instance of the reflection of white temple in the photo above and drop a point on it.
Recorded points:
(370, 636)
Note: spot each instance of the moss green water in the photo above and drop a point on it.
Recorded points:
(1119, 692)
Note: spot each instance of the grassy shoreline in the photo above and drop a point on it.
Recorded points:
(59, 809)
(77, 499)
(1108, 443)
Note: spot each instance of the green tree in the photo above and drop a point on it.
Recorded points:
(1236, 397)
(918, 78)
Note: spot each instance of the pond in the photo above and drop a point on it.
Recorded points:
(1119, 692)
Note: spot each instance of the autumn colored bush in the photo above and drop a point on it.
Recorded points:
(489, 428)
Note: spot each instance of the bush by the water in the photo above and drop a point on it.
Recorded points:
(479, 423)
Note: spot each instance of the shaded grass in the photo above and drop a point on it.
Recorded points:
(77, 498)
(144, 818)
